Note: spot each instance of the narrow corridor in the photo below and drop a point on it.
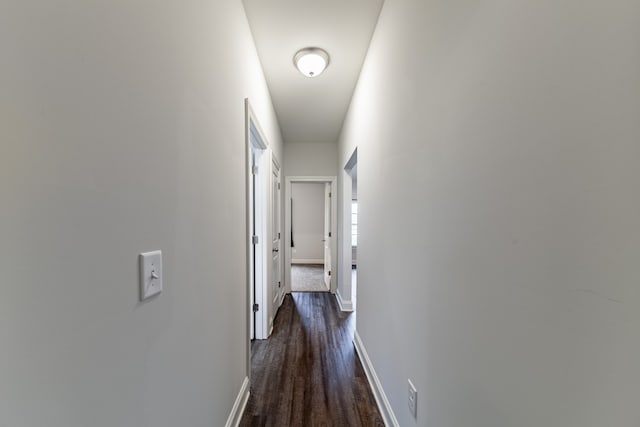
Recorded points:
(308, 373)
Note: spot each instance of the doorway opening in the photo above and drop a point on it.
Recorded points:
(347, 291)
(257, 155)
(310, 225)
(353, 173)
(310, 228)
(265, 287)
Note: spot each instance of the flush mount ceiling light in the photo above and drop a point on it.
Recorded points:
(311, 61)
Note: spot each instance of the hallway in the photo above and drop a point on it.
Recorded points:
(307, 373)
(496, 148)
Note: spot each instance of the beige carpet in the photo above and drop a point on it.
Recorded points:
(308, 278)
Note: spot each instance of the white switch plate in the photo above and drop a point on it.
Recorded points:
(150, 274)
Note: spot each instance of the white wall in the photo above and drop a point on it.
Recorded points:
(122, 130)
(307, 221)
(498, 152)
(311, 159)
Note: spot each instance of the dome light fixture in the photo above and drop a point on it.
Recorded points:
(311, 61)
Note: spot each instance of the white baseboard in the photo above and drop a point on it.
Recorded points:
(238, 407)
(307, 261)
(388, 416)
(344, 305)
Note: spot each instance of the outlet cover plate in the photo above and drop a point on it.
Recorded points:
(413, 400)
(150, 274)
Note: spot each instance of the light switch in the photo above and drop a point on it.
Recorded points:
(150, 274)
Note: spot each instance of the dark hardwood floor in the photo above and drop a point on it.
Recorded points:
(308, 373)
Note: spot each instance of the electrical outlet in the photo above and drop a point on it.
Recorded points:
(413, 400)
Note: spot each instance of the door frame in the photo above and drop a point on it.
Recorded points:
(346, 289)
(256, 142)
(327, 235)
(287, 226)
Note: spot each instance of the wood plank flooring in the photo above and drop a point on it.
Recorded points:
(308, 373)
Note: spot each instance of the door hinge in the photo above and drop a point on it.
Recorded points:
(329, 273)
(254, 240)
(254, 170)
(256, 307)
(329, 234)
(279, 284)
(329, 194)
(278, 186)
(278, 235)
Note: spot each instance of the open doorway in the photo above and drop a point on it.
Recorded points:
(353, 173)
(310, 229)
(310, 267)
(265, 288)
(256, 227)
(346, 294)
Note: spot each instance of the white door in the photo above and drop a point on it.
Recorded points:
(276, 283)
(327, 235)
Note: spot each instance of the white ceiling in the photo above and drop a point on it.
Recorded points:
(312, 109)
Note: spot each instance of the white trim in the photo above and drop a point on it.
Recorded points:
(345, 249)
(239, 405)
(386, 411)
(307, 261)
(344, 305)
(249, 232)
(333, 180)
(311, 178)
(256, 143)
